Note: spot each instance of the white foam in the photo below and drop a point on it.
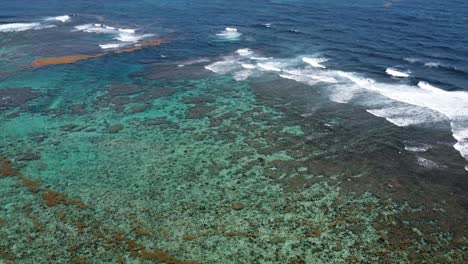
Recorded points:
(406, 115)
(268, 25)
(96, 28)
(260, 58)
(17, 27)
(343, 95)
(62, 19)
(309, 76)
(111, 45)
(126, 35)
(421, 148)
(131, 37)
(194, 61)
(242, 75)
(432, 64)
(412, 60)
(269, 66)
(427, 163)
(229, 33)
(315, 62)
(223, 67)
(248, 66)
(244, 52)
(460, 133)
(395, 73)
(426, 86)
(400, 104)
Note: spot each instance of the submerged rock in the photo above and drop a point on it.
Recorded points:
(199, 111)
(78, 109)
(115, 128)
(237, 206)
(199, 100)
(11, 97)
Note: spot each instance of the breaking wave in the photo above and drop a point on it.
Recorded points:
(400, 104)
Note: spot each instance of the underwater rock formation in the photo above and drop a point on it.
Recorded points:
(11, 97)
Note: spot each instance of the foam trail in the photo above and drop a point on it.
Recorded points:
(63, 19)
(18, 27)
(248, 66)
(229, 33)
(269, 66)
(111, 46)
(315, 62)
(260, 58)
(432, 64)
(244, 52)
(131, 37)
(422, 148)
(395, 73)
(412, 60)
(429, 164)
(223, 67)
(126, 35)
(242, 75)
(401, 104)
(194, 61)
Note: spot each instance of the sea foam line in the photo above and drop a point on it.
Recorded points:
(404, 104)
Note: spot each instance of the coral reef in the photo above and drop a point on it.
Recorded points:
(11, 97)
(216, 171)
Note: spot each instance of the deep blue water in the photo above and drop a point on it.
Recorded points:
(359, 36)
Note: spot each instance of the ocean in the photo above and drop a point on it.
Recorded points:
(279, 131)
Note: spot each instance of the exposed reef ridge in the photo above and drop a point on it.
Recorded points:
(79, 57)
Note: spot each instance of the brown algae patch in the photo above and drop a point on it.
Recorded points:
(61, 60)
(79, 57)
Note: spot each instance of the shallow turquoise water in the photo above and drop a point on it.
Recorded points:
(282, 141)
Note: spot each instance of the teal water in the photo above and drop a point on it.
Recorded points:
(282, 141)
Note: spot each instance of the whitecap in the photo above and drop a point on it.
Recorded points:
(432, 64)
(223, 67)
(401, 104)
(17, 27)
(96, 28)
(269, 66)
(315, 62)
(396, 73)
(111, 45)
(248, 66)
(244, 52)
(419, 148)
(229, 33)
(242, 75)
(427, 163)
(260, 58)
(406, 115)
(412, 60)
(121, 34)
(193, 61)
(63, 19)
(131, 37)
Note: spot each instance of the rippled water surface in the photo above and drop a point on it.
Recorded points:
(234, 131)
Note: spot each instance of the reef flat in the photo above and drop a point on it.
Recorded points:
(205, 170)
(270, 132)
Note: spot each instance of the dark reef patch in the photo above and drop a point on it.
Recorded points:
(118, 96)
(199, 111)
(12, 97)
